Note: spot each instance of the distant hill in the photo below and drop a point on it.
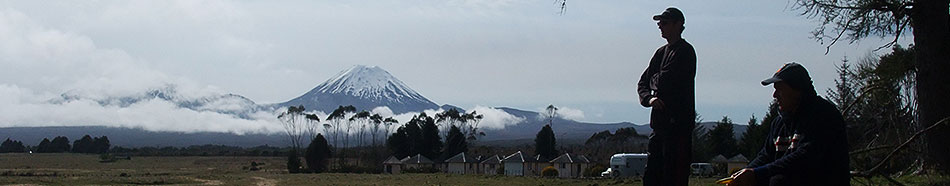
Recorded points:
(365, 87)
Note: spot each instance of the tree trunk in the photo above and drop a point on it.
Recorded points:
(932, 37)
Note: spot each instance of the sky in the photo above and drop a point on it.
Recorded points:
(475, 54)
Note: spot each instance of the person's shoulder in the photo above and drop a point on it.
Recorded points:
(824, 105)
(661, 48)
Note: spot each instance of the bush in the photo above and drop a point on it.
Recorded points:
(549, 171)
(594, 171)
(421, 170)
(293, 162)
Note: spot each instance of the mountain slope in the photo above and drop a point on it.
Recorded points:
(563, 129)
(365, 87)
(232, 104)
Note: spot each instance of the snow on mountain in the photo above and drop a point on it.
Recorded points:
(365, 87)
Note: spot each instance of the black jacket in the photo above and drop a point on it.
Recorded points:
(671, 77)
(818, 157)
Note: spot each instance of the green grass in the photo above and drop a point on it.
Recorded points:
(78, 169)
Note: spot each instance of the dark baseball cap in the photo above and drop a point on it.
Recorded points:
(671, 13)
(792, 73)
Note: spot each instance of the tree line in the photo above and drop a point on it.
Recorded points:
(60, 144)
(360, 140)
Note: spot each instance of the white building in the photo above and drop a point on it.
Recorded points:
(570, 166)
(392, 165)
(514, 164)
(490, 165)
(461, 164)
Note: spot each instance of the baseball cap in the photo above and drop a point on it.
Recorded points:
(671, 13)
(792, 73)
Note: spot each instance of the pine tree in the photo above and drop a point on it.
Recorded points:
(454, 143)
(432, 141)
(318, 152)
(60, 144)
(100, 145)
(12, 146)
(44, 146)
(723, 138)
(83, 145)
(399, 143)
(545, 143)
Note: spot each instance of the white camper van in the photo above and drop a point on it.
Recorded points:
(627, 165)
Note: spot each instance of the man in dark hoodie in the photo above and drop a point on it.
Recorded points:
(807, 144)
(667, 85)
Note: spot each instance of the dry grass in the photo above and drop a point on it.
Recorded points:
(79, 169)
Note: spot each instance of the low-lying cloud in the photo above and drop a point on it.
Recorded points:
(563, 113)
(43, 64)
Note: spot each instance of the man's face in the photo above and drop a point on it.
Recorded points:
(668, 27)
(788, 98)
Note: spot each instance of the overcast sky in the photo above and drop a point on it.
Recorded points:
(468, 53)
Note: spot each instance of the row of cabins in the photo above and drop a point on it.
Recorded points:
(517, 164)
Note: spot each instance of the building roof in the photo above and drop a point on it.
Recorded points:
(738, 159)
(718, 159)
(538, 158)
(492, 160)
(392, 160)
(514, 158)
(460, 158)
(567, 158)
(417, 159)
(582, 159)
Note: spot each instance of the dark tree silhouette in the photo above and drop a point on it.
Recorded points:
(318, 154)
(100, 145)
(545, 144)
(12, 146)
(723, 138)
(44, 146)
(293, 162)
(929, 21)
(454, 143)
(83, 145)
(60, 144)
(755, 135)
(431, 140)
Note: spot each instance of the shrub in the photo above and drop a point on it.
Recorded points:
(549, 171)
(594, 171)
(293, 162)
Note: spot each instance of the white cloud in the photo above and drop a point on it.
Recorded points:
(495, 118)
(570, 113)
(383, 111)
(563, 113)
(41, 62)
(23, 108)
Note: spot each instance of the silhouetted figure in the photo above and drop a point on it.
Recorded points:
(667, 86)
(807, 144)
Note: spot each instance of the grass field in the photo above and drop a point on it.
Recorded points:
(78, 169)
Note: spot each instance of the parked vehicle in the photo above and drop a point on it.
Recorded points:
(606, 173)
(702, 169)
(627, 165)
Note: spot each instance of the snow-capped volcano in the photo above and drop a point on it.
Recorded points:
(365, 87)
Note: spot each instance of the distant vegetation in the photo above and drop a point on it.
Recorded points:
(86, 144)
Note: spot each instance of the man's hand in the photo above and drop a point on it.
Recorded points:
(657, 103)
(743, 177)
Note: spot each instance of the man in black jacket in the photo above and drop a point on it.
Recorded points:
(807, 144)
(667, 86)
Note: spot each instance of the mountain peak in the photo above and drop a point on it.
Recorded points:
(365, 87)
